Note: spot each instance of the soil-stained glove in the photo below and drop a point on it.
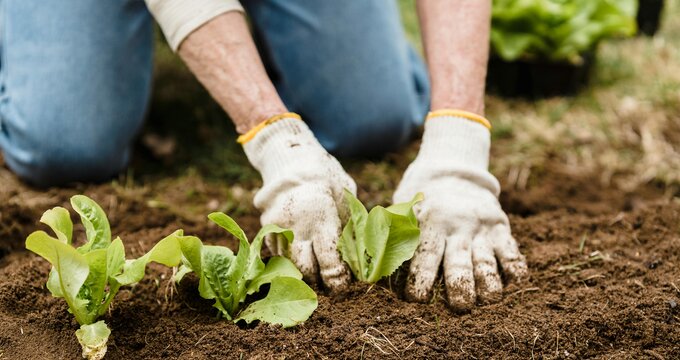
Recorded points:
(461, 219)
(302, 191)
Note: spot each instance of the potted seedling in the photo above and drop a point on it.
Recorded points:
(545, 48)
(229, 279)
(89, 276)
(374, 244)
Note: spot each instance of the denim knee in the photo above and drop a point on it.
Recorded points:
(52, 156)
(347, 68)
(75, 79)
(369, 128)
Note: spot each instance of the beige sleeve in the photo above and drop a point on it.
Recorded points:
(178, 18)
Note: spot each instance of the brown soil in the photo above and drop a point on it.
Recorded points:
(616, 296)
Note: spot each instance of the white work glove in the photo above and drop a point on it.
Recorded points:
(460, 217)
(302, 191)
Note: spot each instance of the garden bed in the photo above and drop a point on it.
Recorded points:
(605, 272)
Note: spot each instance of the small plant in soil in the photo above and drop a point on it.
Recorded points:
(88, 277)
(229, 279)
(374, 244)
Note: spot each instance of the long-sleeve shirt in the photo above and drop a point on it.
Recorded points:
(178, 18)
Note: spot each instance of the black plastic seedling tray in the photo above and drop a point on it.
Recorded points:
(538, 78)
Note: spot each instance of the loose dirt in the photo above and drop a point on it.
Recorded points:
(605, 278)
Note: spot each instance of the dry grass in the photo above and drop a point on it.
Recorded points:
(626, 126)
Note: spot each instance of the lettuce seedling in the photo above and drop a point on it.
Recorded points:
(557, 30)
(228, 278)
(88, 277)
(375, 244)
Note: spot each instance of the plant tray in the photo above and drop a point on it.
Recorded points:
(538, 79)
(649, 16)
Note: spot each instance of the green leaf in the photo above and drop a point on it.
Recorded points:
(237, 275)
(289, 302)
(352, 242)
(96, 224)
(255, 264)
(70, 266)
(374, 245)
(211, 264)
(406, 209)
(93, 339)
(59, 220)
(277, 266)
(217, 283)
(400, 245)
(240, 265)
(54, 283)
(358, 213)
(192, 249)
(115, 258)
(227, 223)
(95, 284)
(167, 252)
(348, 249)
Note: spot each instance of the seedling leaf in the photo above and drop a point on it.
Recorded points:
(218, 284)
(256, 265)
(94, 220)
(352, 244)
(228, 278)
(60, 221)
(166, 252)
(403, 237)
(375, 244)
(289, 302)
(277, 266)
(115, 258)
(228, 224)
(70, 268)
(96, 282)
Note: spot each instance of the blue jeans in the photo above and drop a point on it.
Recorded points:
(75, 79)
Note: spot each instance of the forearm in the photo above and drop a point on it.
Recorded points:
(456, 38)
(223, 56)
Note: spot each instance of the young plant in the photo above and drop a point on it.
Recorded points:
(88, 277)
(375, 244)
(229, 278)
(557, 30)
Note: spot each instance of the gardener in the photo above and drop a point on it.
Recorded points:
(75, 85)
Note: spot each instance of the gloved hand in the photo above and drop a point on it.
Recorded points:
(460, 218)
(302, 191)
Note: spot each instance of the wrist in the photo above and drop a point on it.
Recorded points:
(471, 101)
(456, 142)
(250, 134)
(278, 145)
(250, 119)
(457, 113)
(457, 147)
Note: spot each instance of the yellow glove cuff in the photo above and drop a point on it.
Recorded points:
(251, 134)
(460, 114)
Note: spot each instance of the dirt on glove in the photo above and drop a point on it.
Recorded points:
(605, 278)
